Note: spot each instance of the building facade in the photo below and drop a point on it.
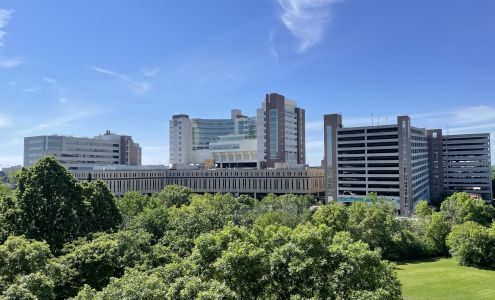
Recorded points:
(435, 163)
(467, 164)
(281, 133)
(123, 179)
(389, 160)
(253, 182)
(403, 163)
(77, 153)
(227, 142)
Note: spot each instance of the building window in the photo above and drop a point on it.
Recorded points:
(273, 121)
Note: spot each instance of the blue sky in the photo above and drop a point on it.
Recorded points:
(81, 67)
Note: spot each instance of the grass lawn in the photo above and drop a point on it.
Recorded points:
(444, 279)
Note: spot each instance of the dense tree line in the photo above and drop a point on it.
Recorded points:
(61, 239)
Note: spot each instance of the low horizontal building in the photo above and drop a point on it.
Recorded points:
(253, 182)
(123, 179)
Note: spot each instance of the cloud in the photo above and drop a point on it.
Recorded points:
(136, 86)
(7, 62)
(271, 45)
(5, 121)
(59, 88)
(151, 72)
(475, 114)
(33, 90)
(10, 62)
(4, 20)
(58, 123)
(306, 20)
(50, 81)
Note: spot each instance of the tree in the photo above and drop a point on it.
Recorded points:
(423, 209)
(95, 261)
(461, 207)
(319, 264)
(472, 244)
(134, 285)
(243, 266)
(13, 176)
(376, 224)
(153, 221)
(436, 232)
(49, 203)
(102, 213)
(276, 217)
(5, 190)
(174, 195)
(333, 215)
(9, 213)
(33, 286)
(205, 213)
(20, 256)
(133, 203)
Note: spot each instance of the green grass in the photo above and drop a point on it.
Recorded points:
(445, 279)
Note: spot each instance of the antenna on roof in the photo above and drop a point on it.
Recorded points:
(371, 119)
(378, 120)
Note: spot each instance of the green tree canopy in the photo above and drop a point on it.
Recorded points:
(472, 244)
(20, 256)
(95, 261)
(50, 203)
(461, 207)
(174, 195)
(101, 209)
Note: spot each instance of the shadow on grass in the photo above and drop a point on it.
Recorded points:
(418, 261)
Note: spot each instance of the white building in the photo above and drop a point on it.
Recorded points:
(275, 138)
(230, 142)
(78, 153)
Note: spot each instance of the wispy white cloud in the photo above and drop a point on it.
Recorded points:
(4, 20)
(306, 20)
(59, 123)
(475, 114)
(10, 62)
(151, 72)
(271, 45)
(7, 62)
(5, 121)
(60, 89)
(136, 86)
(32, 90)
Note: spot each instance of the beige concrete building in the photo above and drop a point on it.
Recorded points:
(123, 179)
(253, 182)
